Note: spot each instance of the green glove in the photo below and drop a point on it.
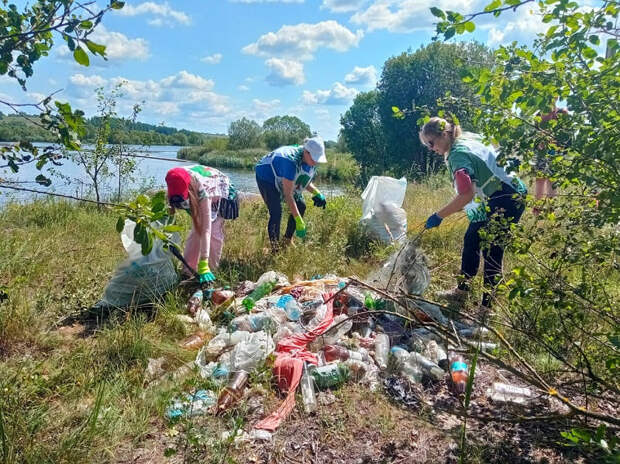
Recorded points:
(300, 227)
(204, 273)
(319, 200)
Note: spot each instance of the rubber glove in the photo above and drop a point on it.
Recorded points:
(433, 221)
(300, 227)
(319, 200)
(204, 273)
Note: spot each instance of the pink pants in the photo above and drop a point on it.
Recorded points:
(192, 246)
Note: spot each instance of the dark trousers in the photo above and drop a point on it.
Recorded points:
(502, 203)
(272, 199)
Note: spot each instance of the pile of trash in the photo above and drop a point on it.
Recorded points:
(316, 335)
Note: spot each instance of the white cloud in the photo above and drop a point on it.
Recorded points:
(182, 92)
(265, 107)
(164, 15)
(343, 6)
(337, 95)
(189, 81)
(362, 76)
(118, 46)
(299, 42)
(266, 1)
(521, 28)
(243, 88)
(87, 81)
(285, 72)
(212, 59)
(407, 15)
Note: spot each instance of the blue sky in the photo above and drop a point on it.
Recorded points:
(201, 64)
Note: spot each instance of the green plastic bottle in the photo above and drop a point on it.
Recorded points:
(258, 293)
(330, 375)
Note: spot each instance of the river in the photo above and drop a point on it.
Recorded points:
(71, 179)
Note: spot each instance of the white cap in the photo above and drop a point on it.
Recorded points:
(316, 148)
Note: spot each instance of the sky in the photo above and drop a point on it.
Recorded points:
(200, 65)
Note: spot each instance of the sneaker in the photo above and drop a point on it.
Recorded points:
(454, 296)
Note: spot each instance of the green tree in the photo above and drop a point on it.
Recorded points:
(244, 133)
(420, 78)
(26, 36)
(106, 160)
(362, 133)
(564, 287)
(284, 130)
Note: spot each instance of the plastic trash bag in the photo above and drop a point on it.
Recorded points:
(248, 354)
(140, 279)
(382, 211)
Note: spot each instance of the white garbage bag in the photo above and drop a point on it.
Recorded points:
(382, 211)
(140, 279)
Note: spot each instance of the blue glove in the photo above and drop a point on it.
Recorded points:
(433, 221)
(319, 200)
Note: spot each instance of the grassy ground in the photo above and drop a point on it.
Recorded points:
(83, 397)
(339, 167)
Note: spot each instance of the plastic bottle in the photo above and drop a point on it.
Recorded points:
(307, 391)
(506, 393)
(382, 349)
(459, 372)
(290, 306)
(334, 335)
(330, 375)
(475, 332)
(195, 302)
(250, 322)
(224, 339)
(412, 371)
(436, 353)
(194, 341)
(399, 353)
(427, 366)
(340, 353)
(232, 392)
(262, 290)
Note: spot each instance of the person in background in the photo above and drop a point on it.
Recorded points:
(484, 189)
(284, 174)
(544, 187)
(199, 190)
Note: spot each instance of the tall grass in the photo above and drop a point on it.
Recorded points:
(83, 399)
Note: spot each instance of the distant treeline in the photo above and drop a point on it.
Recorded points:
(23, 127)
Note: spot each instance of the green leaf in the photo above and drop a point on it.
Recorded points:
(493, 5)
(470, 26)
(81, 57)
(86, 24)
(594, 39)
(95, 48)
(449, 33)
(147, 244)
(42, 180)
(120, 224)
(173, 228)
(438, 12)
(117, 5)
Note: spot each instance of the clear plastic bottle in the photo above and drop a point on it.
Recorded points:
(436, 353)
(195, 302)
(290, 306)
(262, 290)
(250, 322)
(194, 341)
(427, 366)
(382, 349)
(232, 392)
(334, 335)
(340, 353)
(308, 393)
(506, 393)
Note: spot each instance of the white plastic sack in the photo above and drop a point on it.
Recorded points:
(139, 279)
(381, 210)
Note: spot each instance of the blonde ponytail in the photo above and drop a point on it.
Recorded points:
(436, 126)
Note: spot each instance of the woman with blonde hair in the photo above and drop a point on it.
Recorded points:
(483, 190)
(208, 196)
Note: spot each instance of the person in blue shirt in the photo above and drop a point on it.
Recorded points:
(284, 174)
